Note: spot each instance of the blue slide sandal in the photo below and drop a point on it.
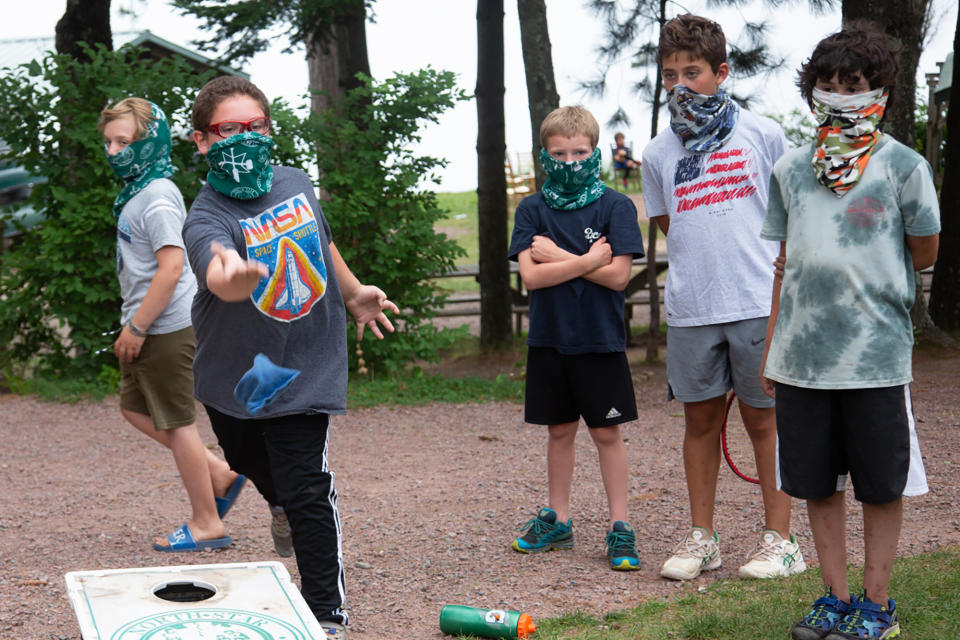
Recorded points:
(182, 540)
(224, 503)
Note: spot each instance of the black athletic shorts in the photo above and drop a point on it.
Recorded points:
(826, 433)
(562, 388)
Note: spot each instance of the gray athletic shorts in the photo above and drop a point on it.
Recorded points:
(707, 361)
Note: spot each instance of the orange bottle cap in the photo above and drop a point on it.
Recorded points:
(525, 626)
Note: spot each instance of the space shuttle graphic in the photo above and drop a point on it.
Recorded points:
(295, 291)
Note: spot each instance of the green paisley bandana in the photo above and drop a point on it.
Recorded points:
(143, 161)
(240, 166)
(571, 185)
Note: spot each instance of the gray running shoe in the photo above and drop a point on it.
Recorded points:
(280, 530)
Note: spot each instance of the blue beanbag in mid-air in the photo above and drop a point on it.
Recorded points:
(262, 383)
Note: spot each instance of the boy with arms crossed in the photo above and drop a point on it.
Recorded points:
(855, 213)
(575, 242)
(705, 181)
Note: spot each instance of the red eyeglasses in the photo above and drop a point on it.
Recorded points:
(229, 128)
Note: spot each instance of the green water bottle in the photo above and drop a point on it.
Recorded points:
(458, 620)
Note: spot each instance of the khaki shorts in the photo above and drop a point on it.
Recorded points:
(159, 383)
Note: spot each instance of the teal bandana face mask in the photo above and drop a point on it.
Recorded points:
(571, 185)
(240, 166)
(143, 161)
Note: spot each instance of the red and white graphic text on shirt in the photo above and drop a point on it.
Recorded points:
(713, 178)
(865, 213)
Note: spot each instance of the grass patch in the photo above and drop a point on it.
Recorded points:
(417, 388)
(926, 587)
(66, 390)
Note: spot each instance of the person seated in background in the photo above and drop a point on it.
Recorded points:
(622, 160)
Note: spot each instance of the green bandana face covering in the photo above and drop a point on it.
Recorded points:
(240, 166)
(571, 185)
(143, 161)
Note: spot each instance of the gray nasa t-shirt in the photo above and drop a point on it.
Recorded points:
(844, 320)
(295, 316)
(150, 220)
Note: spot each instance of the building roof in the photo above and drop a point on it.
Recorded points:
(19, 51)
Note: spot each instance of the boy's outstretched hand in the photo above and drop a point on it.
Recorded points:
(367, 306)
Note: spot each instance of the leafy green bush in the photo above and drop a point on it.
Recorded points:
(382, 217)
(59, 284)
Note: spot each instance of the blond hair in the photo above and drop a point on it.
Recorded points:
(568, 122)
(137, 108)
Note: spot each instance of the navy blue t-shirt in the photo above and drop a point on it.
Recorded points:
(578, 316)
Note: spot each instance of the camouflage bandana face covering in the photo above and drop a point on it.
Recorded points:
(703, 123)
(240, 166)
(846, 135)
(143, 161)
(571, 185)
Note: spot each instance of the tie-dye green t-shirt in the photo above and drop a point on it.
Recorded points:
(844, 320)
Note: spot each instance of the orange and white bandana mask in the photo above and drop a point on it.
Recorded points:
(846, 135)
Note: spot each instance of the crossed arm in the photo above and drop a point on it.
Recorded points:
(545, 264)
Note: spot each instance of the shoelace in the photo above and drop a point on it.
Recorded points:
(767, 551)
(621, 540)
(823, 611)
(538, 526)
(690, 548)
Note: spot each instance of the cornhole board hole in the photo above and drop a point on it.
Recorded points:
(254, 601)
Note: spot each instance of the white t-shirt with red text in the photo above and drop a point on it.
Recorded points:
(720, 268)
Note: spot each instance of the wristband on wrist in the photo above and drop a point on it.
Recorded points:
(136, 330)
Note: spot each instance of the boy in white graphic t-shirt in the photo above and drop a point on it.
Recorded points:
(705, 181)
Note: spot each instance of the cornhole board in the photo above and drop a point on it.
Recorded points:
(254, 601)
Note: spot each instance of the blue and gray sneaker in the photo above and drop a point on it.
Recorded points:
(544, 533)
(622, 547)
(866, 619)
(826, 613)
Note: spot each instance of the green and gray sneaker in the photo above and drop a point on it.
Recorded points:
(544, 533)
(622, 547)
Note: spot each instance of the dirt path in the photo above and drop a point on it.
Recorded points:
(430, 498)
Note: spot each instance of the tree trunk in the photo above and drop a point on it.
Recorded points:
(653, 333)
(491, 181)
(84, 21)
(542, 96)
(903, 21)
(945, 290)
(334, 61)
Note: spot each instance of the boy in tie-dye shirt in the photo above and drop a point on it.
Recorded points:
(855, 214)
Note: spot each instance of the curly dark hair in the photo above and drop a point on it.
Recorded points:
(700, 37)
(860, 48)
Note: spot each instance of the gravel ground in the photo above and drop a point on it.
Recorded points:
(430, 498)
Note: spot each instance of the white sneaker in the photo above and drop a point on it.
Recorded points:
(774, 556)
(699, 551)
